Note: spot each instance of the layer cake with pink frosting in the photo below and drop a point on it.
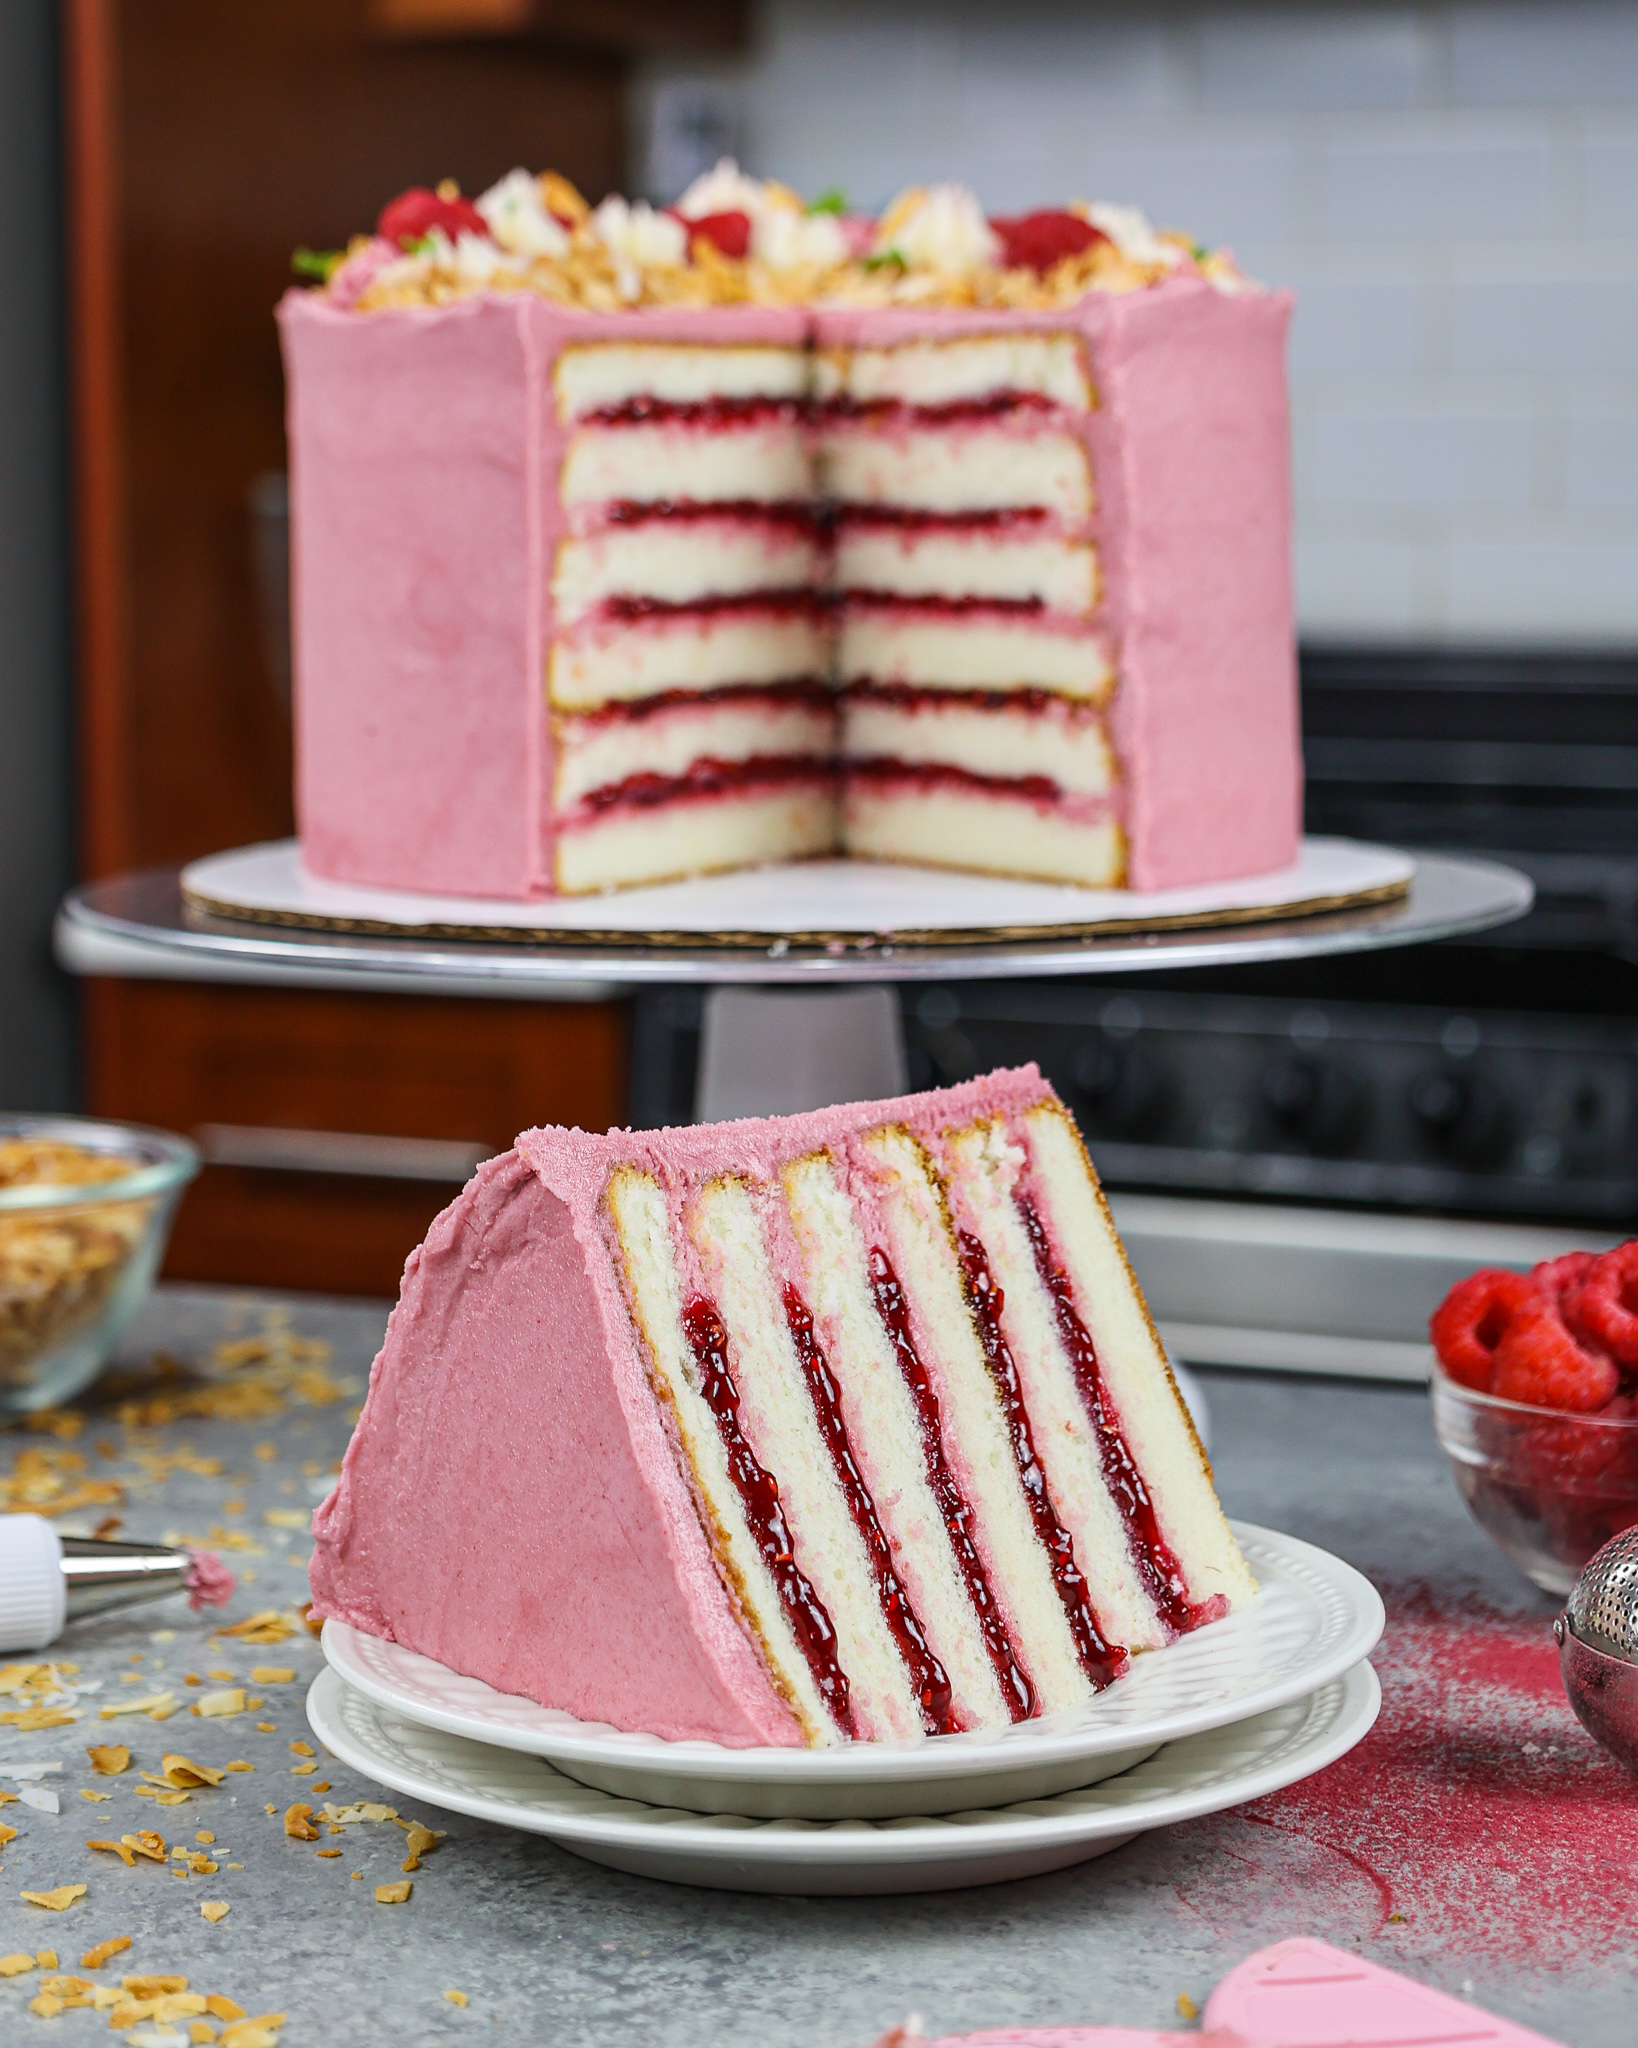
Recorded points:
(843, 1426)
(629, 544)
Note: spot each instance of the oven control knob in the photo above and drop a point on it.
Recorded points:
(1123, 1089)
(1463, 1116)
(1321, 1104)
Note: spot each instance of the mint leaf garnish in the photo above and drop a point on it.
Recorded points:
(316, 263)
(833, 201)
(881, 262)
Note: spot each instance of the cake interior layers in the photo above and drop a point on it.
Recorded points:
(957, 556)
(690, 651)
(928, 1427)
(971, 664)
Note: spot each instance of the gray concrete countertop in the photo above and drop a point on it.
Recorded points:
(1477, 1839)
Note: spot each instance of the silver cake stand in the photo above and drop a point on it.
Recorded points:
(835, 1030)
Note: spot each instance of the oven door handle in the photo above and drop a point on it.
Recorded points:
(357, 1154)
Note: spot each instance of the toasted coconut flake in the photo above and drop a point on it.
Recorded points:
(214, 1910)
(393, 1894)
(119, 1849)
(301, 1749)
(7, 1834)
(268, 1626)
(152, 1987)
(298, 1823)
(45, 2005)
(146, 1843)
(87, 1793)
(238, 1764)
(14, 1966)
(180, 1771)
(271, 1674)
(94, 1958)
(158, 1704)
(302, 1770)
(221, 2008)
(456, 1997)
(220, 1706)
(159, 1797)
(59, 1900)
(262, 2032)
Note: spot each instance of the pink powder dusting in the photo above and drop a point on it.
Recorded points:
(1477, 1820)
(209, 1582)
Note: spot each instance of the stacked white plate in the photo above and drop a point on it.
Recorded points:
(1234, 1711)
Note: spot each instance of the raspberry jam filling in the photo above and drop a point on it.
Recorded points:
(923, 697)
(758, 1492)
(753, 696)
(682, 511)
(885, 770)
(776, 604)
(894, 1311)
(704, 412)
(1157, 1566)
(1102, 1661)
(946, 607)
(1034, 517)
(708, 777)
(992, 405)
(927, 1674)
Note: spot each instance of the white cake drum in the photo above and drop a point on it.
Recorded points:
(818, 904)
(1316, 1618)
(1207, 1773)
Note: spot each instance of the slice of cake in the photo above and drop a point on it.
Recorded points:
(833, 1427)
(599, 517)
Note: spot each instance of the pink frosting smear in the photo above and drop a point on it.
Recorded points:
(209, 1582)
(510, 1503)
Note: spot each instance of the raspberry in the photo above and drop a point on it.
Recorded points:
(730, 232)
(417, 212)
(1036, 241)
(1473, 1318)
(1605, 1304)
(1560, 1276)
(1542, 1364)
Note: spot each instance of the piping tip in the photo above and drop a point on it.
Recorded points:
(48, 1580)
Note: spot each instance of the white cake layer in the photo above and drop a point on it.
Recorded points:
(686, 462)
(591, 376)
(961, 466)
(885, 1432)
(1055, 740)
(694, 836)
(976, 1434)
(685, 651)
(969, 651)
(1010, 563)
(600, 753)
(944, 827)
(982, 1168)
(967, 367)
(1152, 1418)
(680, 561)
(637, 1205)
(778, 1416)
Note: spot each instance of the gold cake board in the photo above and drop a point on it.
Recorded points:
(822, 906)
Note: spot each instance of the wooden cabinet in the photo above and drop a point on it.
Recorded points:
(205, 142)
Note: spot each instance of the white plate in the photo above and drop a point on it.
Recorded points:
(800, 903)
(1316, 1618)
(728, 1852)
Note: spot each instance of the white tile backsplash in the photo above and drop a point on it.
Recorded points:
(1451, 190)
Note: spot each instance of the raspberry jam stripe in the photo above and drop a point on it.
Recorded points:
(758, 1491)
(1102, 1661)
(1158, 1568)
(894, 1311)
(927, 1674)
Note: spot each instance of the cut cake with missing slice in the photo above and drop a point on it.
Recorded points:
(841, 1426)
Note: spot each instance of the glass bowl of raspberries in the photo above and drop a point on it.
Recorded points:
(1535, 1400)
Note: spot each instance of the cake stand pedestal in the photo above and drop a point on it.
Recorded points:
(790, 1023)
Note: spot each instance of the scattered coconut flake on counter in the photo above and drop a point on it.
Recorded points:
(219, 1706)
(158, 1706)
(57, 1901)
(40, 1798)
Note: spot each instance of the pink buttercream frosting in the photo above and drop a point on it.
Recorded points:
(209, 1582)
(511, 1502)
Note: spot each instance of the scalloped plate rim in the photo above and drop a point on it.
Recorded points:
(1027, 1746)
